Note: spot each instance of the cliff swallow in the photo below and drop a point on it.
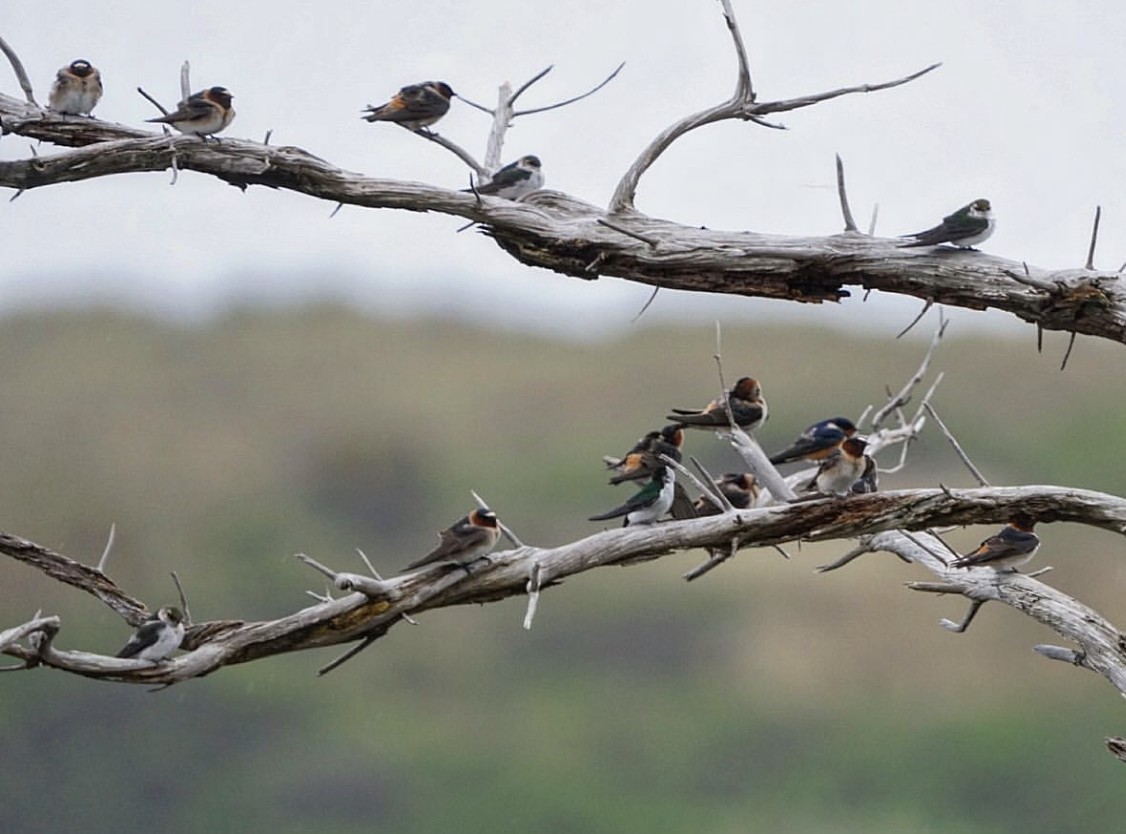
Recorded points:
(203, 114)
(869, 480)
(817, 441)
(842, 468)
(515, 179)
(76, 89)
(649, 503)
(748, 407)
(644, 459)
(465, 541)
(157, 638)
(740, 488)
(970, 224)
(416, 106)
(1015, 545)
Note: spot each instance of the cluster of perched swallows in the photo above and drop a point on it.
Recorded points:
(77, 88)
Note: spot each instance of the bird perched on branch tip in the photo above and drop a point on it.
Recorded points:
(416, 106)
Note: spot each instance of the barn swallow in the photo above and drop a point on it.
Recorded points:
(203, 114)
(748, 407)
(645, 458)
(842, 468)
(416, 106)
(465, 541)
(1015, 545)
(76, 89)
(817, 441)
(740, 488)
(649, 503)
(515, 179)
(158, 637)
(869, 480)
(970, 224)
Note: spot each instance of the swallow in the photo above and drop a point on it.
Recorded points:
(1014, 546)
(76, 89)
(841, 469)
(869, 480)
(515, 179)
(817, 441)
(203, 114)
(970, 224)
(415, 107)
(748, 407)
(740, 488)
(157, 637)
(468, 539)
(649, 503)
(645, 457)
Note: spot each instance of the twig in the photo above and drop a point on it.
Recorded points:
(523, 87)
(957, 447)
(926, 306)
(960, 628)
(590, 92)
(458, 151)
(904, 395)
(152, 101)
(348, 655)
(856, 552)
(679, 467)
(641, 312)
(379, 578)
(872, 222)
(1094, 238)
(21, 73)
(850, 224)
(1067, 355)
(1060, 653)
(602, 221)
(713, 491)
(108, 547)
(806, 101)
(185, 81)
(533, 589)
(718, 558)
(743, 87)
(183, 598)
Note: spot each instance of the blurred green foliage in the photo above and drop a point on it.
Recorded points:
(761, 698)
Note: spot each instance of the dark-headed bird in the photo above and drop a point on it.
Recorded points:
(76, 89)
(1007, 550)
(967, 226)
(203, 114)
(817, 441)
(841, 469)
(645, 457)
(416, 106)
(468, 539)
(739, 488)
(748, 408)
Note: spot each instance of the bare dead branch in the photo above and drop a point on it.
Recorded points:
(960, 627)
(926, 306)
(185, 81)
(153, 102)
(21, 73)
(1067, 353)
(109, 546)
(816, 98)
(904, 395)
(1094, 238)
(602, 221)
(957, 446)
(183, 599)
(646, 305)
(842, 194)
(565, 102)
(743, 87)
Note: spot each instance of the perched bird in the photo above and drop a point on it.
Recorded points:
(465, 541)
(968, 225)
(869, 480)
(748, 407)
(1014, 546)
(842, 468)
(740, 488)
(515, 179)
(76, 89)
(158, 637)
(416, 106)
(203, 114)
(817, 441)
(649, 503)
(645, 457)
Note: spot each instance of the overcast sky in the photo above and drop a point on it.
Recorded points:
(1027, 110)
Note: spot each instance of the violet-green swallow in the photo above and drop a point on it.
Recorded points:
(157, 638)
(843, 467)
(76, 89)
(748, 407)
(203, 114)
(516, 179)
(649, 503)
(970, 224)
(817, 441)
(468, 539)
(1015, 545)
(740, 488)
(645, 457)
(416, 106)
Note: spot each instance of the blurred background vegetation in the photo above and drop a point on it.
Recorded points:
(760, 698)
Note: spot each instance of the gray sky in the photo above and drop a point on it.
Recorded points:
(1028, 110)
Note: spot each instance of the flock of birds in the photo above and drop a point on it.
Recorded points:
(843, 466)
(77, 89)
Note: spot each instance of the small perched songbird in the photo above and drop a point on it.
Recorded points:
(649, 503)
(869, 480)
(1014, 546)
(740, 488)
(970, 224)
(645, 457)
(416, 106)
(158, 637)
(76, 89)
(515, 179)
(748, 407)
(817, 441)
(468, 539)
(204, 113)
(842, 468)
